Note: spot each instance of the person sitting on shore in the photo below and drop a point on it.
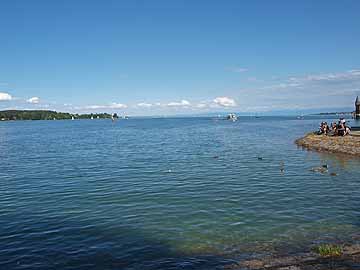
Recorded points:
(347, 128)
(324, 128)
(342, 128)
(333, 129)
(320, 129)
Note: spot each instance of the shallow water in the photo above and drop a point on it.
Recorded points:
(180, 193)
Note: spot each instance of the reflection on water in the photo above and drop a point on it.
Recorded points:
(339, 161)
(167, 193)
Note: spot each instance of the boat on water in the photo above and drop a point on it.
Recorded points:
(114, 116)
(300, 117)
(232, 117)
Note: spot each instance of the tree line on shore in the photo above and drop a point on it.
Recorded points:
(48, 115)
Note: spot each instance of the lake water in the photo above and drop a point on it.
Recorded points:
(181, 193)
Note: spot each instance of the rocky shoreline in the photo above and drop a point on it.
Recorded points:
(349, 259)
(349, 145)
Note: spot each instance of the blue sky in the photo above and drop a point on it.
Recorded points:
(175, 57)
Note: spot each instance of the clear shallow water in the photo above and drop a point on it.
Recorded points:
(185, 193)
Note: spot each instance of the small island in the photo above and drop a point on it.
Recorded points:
(11, 115)
(349, 145)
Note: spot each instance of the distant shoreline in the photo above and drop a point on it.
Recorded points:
(16, 115)
(333, 113)
(22, 115)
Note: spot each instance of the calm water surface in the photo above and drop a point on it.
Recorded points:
(186, 193)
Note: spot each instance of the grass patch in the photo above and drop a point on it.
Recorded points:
(327, 250)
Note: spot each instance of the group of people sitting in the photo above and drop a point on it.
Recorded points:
(339, 129)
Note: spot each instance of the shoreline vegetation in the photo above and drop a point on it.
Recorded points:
(349, 145)
(13, 115)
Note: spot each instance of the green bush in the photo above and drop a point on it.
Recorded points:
(328, 250)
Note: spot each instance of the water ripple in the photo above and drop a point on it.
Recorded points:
(165, 193)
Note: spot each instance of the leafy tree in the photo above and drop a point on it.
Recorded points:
(46, 115)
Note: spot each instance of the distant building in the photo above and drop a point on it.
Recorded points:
(357, 108)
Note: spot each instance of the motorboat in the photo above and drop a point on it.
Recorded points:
(232, 117)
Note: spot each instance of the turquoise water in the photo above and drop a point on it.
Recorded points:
(181, 193)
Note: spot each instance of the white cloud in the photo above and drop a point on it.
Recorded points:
(117, 106)
(312, 91)
(238, 69)
(349, 75)
(109, 106)
(282, 86)
(94, 107)
(145, 105)
(225, 102)
(5, 96)
(182, 103)
(33, 100)
(202, 105)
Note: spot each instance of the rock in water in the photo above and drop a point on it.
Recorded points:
(349, 145)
